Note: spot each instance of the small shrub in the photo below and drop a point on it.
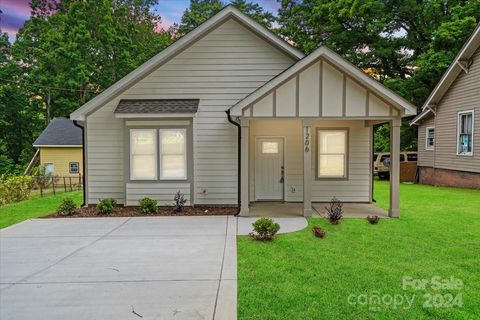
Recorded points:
(264, 229)
(335, 211)
(106, 205)
(148, 205)
(318, 232)
(67, 207)
(373, 219)
(179, 202)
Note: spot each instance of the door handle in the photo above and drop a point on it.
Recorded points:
(282, 173)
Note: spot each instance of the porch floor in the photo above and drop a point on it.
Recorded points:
(292, 209)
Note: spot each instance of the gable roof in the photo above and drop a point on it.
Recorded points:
(460, 62)
(174, 49)
(60, 132)
(157, 106)
(335, 59)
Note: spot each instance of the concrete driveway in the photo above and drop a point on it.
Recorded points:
(119, 268)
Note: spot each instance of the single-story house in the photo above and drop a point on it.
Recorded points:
(231, 114)
(60, 148)
(449, 124)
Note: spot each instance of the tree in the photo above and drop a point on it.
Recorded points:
(200, 10)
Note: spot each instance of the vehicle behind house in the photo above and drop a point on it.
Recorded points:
(381, 162)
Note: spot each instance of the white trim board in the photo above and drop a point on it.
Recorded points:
(174, 49)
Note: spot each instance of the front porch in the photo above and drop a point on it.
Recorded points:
(291, 209)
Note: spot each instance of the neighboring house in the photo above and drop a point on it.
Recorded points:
(449, 124)
(60, 148)
(174, 123)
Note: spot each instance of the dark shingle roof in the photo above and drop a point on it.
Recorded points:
(157, 106)
(60, 132)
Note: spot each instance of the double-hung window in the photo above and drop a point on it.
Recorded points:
(173, 158)
(430, 138)
(158, 154)
(143, 154)
(332, 153)
(465, 133)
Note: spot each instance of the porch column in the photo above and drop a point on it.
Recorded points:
(307, 168)
(394, 210)
(244, 179)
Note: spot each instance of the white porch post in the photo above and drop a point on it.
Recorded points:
(394, 210)
(244, 180)
(307, 168)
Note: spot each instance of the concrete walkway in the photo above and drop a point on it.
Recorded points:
(287, 225)
(119, 268)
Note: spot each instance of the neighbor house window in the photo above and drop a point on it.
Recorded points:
(173, 154)
(465, 133)
(430, 138)
(73, 167)
(143, 154)
(49, 169)
(332, 153)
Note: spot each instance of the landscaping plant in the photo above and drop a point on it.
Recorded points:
(264, 229)
(14, 188)
(373, 219)
(179, 202)
(318, 232)
(335, 211)
(106, 205)
(148, 205)
(67, 207)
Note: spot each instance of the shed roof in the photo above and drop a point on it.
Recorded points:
(60, 132)
(157, 106)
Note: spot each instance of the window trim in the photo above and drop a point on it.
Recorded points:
(70, 168)
(347, 154)
(427, 147)
(159, 134)
(132, 178)
(459, 114)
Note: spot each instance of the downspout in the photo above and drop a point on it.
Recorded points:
(75, 122)
(239, 159)
(373, 163)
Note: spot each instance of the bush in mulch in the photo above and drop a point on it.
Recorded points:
(148, 205)
(318, 232)
(67, 207)
(106, 205)
(373, 219)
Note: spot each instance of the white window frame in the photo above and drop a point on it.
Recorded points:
(459, 114)
(428, 147)
(132, 178)
(317, 156)
(184, 130)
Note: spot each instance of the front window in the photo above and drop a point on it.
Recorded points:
(465, 133)
(143, 154)
(332, 153)
(173, 158)
(430, 138)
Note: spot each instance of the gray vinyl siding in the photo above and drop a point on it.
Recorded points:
(219, 69)
(463, 94)
(425, 157)
(162, 192)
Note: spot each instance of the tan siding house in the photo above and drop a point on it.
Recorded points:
(174, 123)
(453, 111)
(60, 148)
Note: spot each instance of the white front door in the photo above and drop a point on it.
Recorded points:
(269, 169)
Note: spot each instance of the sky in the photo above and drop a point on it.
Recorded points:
(15, 12)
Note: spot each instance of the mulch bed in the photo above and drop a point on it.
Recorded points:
(87, 212)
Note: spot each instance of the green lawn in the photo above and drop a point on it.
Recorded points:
(301, 277)
(34, 208)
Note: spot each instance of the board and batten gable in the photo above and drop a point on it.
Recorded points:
(220, 68)
(320, 90)
(462, 95)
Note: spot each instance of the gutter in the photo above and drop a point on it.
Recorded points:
(75, 122)
(239, 159)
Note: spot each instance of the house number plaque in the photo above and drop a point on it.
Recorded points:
(307, 139)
